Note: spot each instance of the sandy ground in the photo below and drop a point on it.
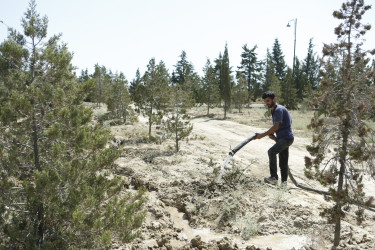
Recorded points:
(187, 209)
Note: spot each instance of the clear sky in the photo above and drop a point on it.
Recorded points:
(124, 35)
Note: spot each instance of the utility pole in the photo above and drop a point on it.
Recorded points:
(295, 39)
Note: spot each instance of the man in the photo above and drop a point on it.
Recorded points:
(282, 125)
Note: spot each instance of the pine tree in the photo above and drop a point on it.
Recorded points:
(153, 93)
(240, 92)
(210, 88)
(102, 81)
(311, 67)
(343, 142)
(372, 73)
(283, 75)
(276, 88)
(118, 98)
(269, 73)
(288, 90)
(134, 85)
(84, 76)
(278, 60)
(218, 64)
(186, 77)
(301, 84)
(183, 69)
(225, 81)
(251, 68)
(178, 123)
(55, 190)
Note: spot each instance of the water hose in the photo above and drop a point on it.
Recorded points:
(241, 145)
(231, 154)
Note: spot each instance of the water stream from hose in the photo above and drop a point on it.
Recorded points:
(223, 168)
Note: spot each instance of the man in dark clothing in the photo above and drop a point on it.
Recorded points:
(282, 125)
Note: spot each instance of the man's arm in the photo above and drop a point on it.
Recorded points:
(272, 130)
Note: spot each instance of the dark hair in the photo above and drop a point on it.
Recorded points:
(269, 94)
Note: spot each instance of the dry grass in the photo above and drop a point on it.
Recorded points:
(258, 117)
(251, 116)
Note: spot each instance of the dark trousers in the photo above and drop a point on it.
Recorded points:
(282, 148)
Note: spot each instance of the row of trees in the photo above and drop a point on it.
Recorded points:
(165, 98)
(153, 94)
(158, 94)
(218, 86)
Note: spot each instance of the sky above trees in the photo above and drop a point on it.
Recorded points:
(125, 35)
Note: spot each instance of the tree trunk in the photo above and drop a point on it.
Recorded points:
(225, 110)
(176, 129)
(149, 127)
(176, 139)
(35, 144)
(40, 231)
(124, 114)
(40, 222)
(336, 240)
(149, 123)
(338, 211)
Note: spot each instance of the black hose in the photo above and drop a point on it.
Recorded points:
(239, 146)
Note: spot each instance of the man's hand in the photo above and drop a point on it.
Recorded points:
(272, 136)
(259, 136)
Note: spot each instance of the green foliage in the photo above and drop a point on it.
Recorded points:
(240, 93)
(269, 75)
(278, 60)
(183, 70)
(279, 195)
(343, 142)
(225, 84)
(84, 76)
(229, 208)
(311, 67)
(234, 176)
(153, 95)
(372, 73)
(251, 68)
(300, 83)
(275, 87)
(56, 191)
(118, 99)
(249, 227)
(102, 82)
(288, 91)
(177, 123)
(134, 85)
(291, 86)
(210, 94)
(185, 76)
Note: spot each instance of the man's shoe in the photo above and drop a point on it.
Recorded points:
(271, 180)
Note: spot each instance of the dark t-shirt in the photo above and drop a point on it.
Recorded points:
(281, 114)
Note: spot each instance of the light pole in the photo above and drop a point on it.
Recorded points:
(295, 38)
